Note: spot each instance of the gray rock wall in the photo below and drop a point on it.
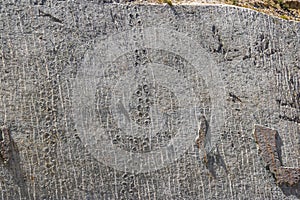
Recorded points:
(108, 101)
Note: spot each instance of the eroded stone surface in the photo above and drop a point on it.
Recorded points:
(204, 56)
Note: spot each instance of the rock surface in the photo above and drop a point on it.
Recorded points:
(106, 101)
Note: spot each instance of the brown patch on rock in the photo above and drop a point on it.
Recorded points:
(268, 141)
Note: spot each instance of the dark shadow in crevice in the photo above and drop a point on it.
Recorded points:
(216, 158)
(13, 164)
(291, 190)
(279, 144)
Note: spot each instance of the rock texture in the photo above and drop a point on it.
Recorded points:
(106, 101)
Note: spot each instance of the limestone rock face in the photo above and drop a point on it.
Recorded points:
(112, 101)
